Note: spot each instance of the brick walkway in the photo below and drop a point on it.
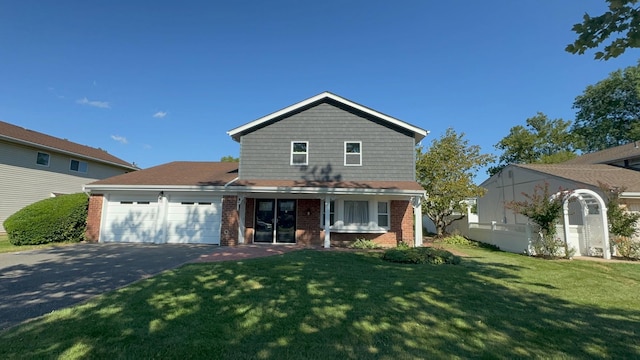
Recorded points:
(241, 252)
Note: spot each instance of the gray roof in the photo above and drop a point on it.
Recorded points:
(591, 174)
(608, 156)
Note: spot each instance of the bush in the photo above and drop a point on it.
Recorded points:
(425, 255)
(364, 244)
(455, 240)
(403, 245)
(57, 219)
(627, 247)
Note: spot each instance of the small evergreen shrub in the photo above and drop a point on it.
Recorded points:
(57, 219)
(456, 240)
(421, 255)
(364, 244)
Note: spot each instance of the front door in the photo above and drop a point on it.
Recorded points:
(275, 221)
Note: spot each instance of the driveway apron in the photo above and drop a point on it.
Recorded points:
(34, 283)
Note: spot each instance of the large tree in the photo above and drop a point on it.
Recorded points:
(608, 112)
(621, 20)
(446, 172)
(542, 140)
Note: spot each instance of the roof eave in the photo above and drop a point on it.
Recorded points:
(61, 151)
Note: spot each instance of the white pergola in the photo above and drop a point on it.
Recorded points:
(586, 198)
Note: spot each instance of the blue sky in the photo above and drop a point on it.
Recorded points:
(154, 82)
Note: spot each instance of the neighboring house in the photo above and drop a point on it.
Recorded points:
(325, 170)
(615, 167)
(35, 166)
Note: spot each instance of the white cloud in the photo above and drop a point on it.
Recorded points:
(120, 139)
(94, 103)
(160, 114)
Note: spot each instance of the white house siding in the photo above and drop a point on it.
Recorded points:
(510, 185)
(23, 182)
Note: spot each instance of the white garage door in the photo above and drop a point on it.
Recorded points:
(194, 220)
(130, 219)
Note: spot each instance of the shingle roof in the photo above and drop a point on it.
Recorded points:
(608, 156)
(591, 174)
(189, 173)
(377, 185)
(15, 133)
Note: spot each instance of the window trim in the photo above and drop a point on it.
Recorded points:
(48, 158)
(358, 153)
(306, 153)
(338, 225)
(79, 168)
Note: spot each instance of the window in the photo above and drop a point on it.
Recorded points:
(352, 153)
(299, 152)
(356, 212)
(79, 166)
(332, 213)
(383, 214)
(42, 159)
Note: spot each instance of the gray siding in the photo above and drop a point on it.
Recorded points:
(23, 182)
(387, 153)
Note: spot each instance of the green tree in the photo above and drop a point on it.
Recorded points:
(608, 112)
(542, 140)
(446, 172)
(229, 158)
(622, 20)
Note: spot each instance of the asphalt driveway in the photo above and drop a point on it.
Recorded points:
(34, 283)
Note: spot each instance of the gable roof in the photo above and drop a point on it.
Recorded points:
(177, 173)
(590, 174)
(36, 139)
(608, 156)
(418, 133)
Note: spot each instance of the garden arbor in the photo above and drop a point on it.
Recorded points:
(595, 232)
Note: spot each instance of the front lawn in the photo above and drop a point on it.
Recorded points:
(315, 304)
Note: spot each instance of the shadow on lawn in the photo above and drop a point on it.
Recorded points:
(319, 304)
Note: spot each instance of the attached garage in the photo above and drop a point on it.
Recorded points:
(176, 219)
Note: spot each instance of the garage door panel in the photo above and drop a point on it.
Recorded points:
(194, 221)
(130, 221)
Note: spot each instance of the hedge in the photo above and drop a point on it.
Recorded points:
(57, 219)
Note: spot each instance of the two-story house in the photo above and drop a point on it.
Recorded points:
(35, 166)
(325, 170)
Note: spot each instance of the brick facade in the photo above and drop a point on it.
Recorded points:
(94, 215)
(229, 226)
(310, 233)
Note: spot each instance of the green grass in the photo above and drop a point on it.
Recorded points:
(343, 305)
(6, 246)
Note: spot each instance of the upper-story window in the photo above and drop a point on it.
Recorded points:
(77, 165)
(42, 159)
(299, 152)
(352, 153)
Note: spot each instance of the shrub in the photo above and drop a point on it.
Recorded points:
(456, 240)
(425, 255)
(57, 219)
(364, 244)
(627, 247)
(403, 245)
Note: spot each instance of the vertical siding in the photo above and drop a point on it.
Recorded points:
(387, 153)
(23, 182)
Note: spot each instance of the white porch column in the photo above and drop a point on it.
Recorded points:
(327, 224)
(417, 214)
(241, 210)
